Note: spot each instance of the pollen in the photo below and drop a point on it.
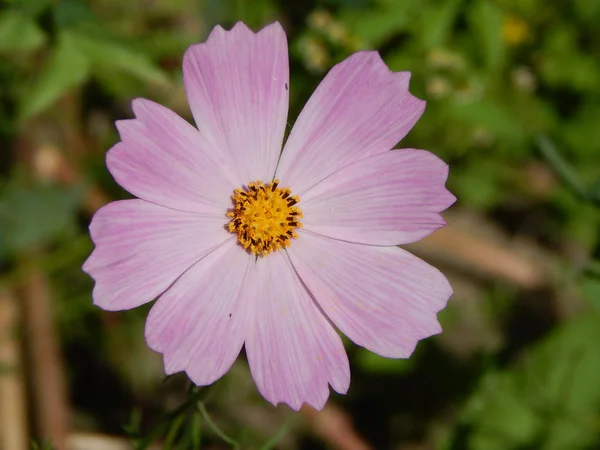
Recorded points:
(264, 217)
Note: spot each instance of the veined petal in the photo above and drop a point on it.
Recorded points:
(292, 349)
(386, 199)
(200, 323)
(237, 84)
(163, 159)
(141, 248)
(360, 108)
(382, 298)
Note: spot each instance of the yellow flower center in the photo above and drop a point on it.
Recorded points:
(264, 217)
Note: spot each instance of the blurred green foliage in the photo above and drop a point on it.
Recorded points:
(513, 91)
(548, 401)
(21, 208)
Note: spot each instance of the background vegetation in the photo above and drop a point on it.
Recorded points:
(513, 91)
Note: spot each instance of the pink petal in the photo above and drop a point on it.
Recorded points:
(292, 349)
(386, 199)
(141, 248)
(200, 323)
(237, 84)
(165, 160)
(382, 298)
(361, 108)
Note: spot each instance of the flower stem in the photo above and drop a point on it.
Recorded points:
(194, 397)
(560, 166)
(215, 428)
(270, 444)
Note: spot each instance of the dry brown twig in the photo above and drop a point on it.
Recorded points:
(95, 441)
(44, 362)
(334, 427)
(481, 254)
(13, 400)
(50, 164)
(44, 358)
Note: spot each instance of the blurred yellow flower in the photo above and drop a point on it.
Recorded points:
(515, 30)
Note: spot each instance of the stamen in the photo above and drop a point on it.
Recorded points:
(264, 217)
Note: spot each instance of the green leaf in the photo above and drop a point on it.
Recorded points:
(493, 116)
(478, 184)
(71, 12)
(550, 401)
(563, 63)
(32, 216)
(439, 22)
(485, 19)
(378, 26)
(66, 68)
(582, 225)
(19, 33)
(563, 169)
(501, 419)
(29, 8)
(594, 193)
(107, 55)
(591, 289)
(587, 10)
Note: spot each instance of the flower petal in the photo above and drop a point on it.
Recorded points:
(163, 159)
(292, 349)
(360, 108)
(200, 323)
(386, 199)
(237, 86)
(382, 298)
(141, 248)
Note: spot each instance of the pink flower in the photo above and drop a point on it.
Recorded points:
(239, 260)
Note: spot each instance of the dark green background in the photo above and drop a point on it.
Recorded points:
(513, 91)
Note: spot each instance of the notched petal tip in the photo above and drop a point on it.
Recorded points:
(142, 107)
(403, 79)
(420, 104)
(274, 26)
(88, 265)
(373, 58)
(298, 405)
(217, 32)
(445, 197)
(318, 401)
(190, 324)
(239, 31)
(361, 108)
(449, 199)
(274, 31)
(235, 87)
(437, 328)
(447, 290)
(123, 125)
(240, 28)
(405, 293)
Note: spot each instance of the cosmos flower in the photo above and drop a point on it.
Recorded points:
(246, 245)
